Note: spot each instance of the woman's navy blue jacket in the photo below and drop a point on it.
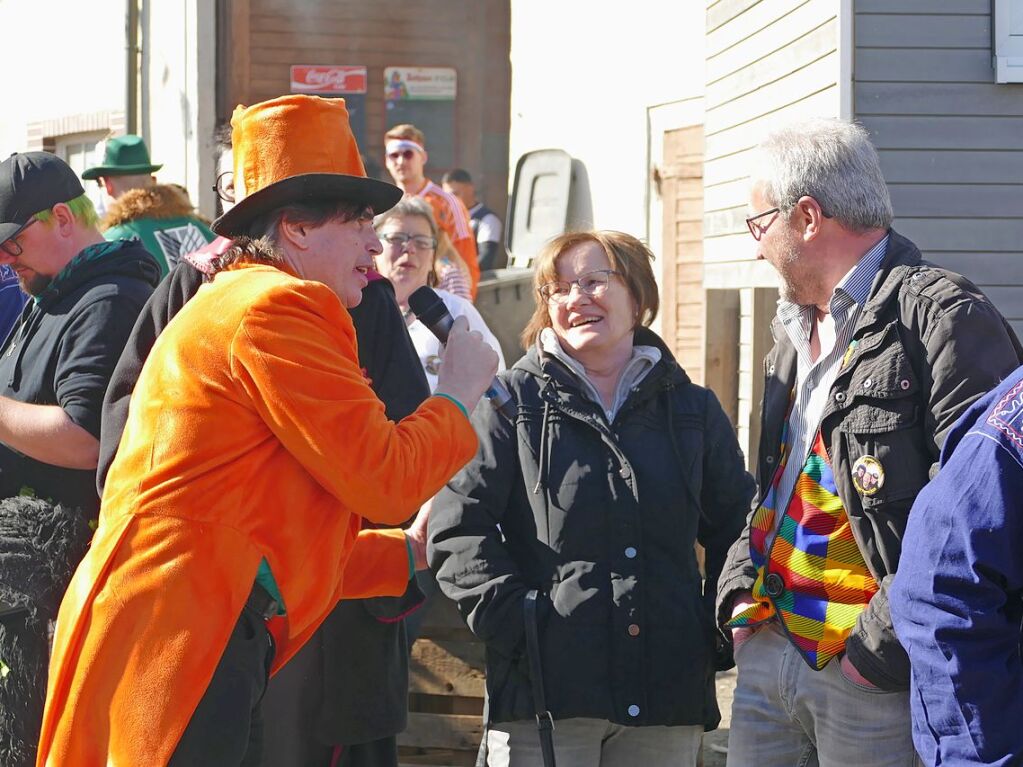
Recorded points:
(602, 518)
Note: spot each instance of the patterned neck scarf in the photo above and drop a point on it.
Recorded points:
(813, 578)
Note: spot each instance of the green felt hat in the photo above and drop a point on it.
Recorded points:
(124, 156)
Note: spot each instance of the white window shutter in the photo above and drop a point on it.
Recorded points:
(1007, 38)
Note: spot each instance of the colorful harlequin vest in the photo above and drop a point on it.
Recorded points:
(813, 578)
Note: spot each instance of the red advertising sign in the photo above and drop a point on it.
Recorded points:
(327, 79)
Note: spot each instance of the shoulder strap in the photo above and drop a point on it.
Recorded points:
(544, 720)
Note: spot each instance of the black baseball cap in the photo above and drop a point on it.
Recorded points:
(31, 182)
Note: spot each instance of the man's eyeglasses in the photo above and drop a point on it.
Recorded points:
(225, 186)
(592, 284)
(407, 154)
(755, 228)
(11, 246)
(404, 241)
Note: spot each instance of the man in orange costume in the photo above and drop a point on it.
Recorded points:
(406, 158)
(230, 523)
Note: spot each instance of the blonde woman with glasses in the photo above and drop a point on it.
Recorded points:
(568, 542)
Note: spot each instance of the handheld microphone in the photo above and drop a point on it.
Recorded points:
(430, 310)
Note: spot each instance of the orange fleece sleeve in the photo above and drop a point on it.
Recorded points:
(295, 355)
(378, 565)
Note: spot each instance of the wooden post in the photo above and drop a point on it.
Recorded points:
(721, 348)
(765, 304)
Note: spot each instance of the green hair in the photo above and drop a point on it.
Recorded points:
(81, 208)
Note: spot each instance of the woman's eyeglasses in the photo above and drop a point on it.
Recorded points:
(404, 241)
(591, 283)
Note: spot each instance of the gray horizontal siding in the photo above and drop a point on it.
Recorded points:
(945, 132)
(958, 200)
(923, 65)
(904, 31)
(924, 7)
(985, 268)
(949, 138)
(903, 98)
(990, 235)
(951, 166)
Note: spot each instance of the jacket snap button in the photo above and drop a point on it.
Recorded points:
(904, 384)
(770, 370)
(633, 630)
(633, 710)
(840, 397)
(624, 472)
(631, 552)
(770, 459)
(774, 585)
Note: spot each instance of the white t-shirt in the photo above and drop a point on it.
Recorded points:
(428, 347)
(489, 229)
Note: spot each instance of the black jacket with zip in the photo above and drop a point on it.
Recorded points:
(928, 345)
(63, 351)
(601, 519)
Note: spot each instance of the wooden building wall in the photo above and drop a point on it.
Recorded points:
(681, 185)
(261, 39)
(950, 138)
(767, 63)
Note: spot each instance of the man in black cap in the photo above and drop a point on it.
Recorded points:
(55, 365)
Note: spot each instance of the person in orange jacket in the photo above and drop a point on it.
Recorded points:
(254, 448)
(405, 156)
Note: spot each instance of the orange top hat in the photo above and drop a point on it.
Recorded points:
(296, 148)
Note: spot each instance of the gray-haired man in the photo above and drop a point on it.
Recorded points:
(876, 355)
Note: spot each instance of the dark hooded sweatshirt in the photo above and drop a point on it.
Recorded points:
(62, 352)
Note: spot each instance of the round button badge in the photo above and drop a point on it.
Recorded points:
(774, 585)
(868, 475)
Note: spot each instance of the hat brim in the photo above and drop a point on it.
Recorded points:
(91, 174)
(378, 195)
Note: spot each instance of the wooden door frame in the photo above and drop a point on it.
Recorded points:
(684, 113)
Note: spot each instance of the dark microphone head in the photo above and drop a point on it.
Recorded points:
(429, 308)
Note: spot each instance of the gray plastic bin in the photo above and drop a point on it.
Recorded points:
(550, 195)
(505, 299)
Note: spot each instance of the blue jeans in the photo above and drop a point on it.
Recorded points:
(786, 714)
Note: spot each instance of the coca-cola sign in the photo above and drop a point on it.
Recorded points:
(327, 79)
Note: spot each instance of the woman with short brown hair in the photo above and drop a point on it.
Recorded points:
(615, 466)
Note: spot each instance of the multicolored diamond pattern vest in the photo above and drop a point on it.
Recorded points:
(814, 578)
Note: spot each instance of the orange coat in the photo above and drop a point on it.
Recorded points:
(251, 434)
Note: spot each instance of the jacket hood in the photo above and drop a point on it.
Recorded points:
(120, 258)
(535, 360)
(158, 202)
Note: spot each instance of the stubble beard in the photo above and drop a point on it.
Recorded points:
(34, 285)
(789, 285)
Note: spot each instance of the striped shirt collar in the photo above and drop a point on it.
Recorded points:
(854, 288)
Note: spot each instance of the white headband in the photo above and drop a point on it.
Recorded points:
(399, 144)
